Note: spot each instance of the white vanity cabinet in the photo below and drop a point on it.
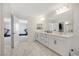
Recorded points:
(42, 38)
(62, 46)
(58, 44)
(52, 42)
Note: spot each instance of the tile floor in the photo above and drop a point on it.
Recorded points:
(28, 48)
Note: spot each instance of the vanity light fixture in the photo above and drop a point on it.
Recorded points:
(62, 10)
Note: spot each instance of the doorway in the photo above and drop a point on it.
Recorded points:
(15, 33)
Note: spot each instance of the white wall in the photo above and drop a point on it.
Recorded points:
(75, 40)
(1, 29)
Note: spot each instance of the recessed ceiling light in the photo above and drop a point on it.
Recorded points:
(42, 18)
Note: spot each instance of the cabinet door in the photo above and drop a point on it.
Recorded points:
(52, 42)
(62, 46)
(38, 37)
(44, 39)
(41, 38)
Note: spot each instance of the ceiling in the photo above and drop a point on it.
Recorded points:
(24, 10)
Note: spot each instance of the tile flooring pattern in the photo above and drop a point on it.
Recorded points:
(29, 48)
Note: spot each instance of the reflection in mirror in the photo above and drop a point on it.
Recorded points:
(39, 26)
(62, 22)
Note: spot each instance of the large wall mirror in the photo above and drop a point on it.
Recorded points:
(61, 20)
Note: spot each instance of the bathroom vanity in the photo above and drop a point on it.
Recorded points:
(58, 42)
(58, 32)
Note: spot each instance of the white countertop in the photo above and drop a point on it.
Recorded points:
(60, 34)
